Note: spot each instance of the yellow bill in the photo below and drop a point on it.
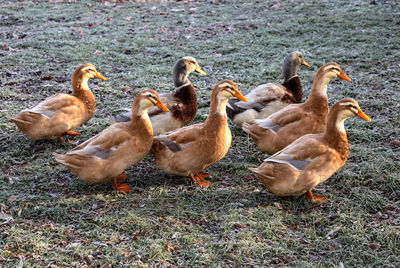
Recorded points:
(362, 115)
(199, 70)
(161, 105)
(240, 96)
(344, 76)
(98, 75)
(305, 63)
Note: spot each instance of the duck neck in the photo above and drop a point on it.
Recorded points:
(318, 98)
(335, 134)
(288, 70)
(140, 121)
(187, 94)
(81, 90)
(180, 77)
(217, 114)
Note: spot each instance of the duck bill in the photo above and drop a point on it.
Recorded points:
(98, 75)
(305, 63)
(344, 76)
(362, 115)
(240, 96)
(200, 71)
(161, 105)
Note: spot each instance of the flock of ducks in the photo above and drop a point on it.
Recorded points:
(307, 141)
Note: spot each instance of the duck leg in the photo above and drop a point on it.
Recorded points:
(60, 139)
(198, 178)
(122, 187)
(315, 198)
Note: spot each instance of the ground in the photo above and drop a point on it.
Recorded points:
(50, 218)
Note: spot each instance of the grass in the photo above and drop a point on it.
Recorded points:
(166, 220)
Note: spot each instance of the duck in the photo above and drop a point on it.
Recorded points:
(61, 113)
(312, 158)
(182, 103)
(108, 154)
(189, 150)
(268, 98)
(281, 128)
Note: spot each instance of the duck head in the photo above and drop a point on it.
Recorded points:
(291, 63)
(183, 67)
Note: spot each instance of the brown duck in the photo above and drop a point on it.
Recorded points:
(268, 98)
(311, 159)
(108, 154)
(61, 113)
(275, 132)
(189, 150)
(182, 104)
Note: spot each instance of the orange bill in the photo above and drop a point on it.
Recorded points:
(98, 75)
(240, 96)
(362, 115)
(305, 63)
(160, 105)
(199, 70)
(344, 76)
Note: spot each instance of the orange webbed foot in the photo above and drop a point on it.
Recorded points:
(122, 187)
(315, 198)
(199, 179)
(72, 133)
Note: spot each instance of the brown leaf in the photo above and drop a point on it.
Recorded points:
(163, 13)
(374, 246)
(47, 77)
(109, 19)
(4, 47)
(126, 89)
(395, 143)
(170, 247)
(237, 225)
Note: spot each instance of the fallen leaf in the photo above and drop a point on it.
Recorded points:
(237, 225)
(47, 77)
(374, 246)
(395, 143)
(4, 47)
(170, 247)
(109, 19)
(163, 13)
(126, 89)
